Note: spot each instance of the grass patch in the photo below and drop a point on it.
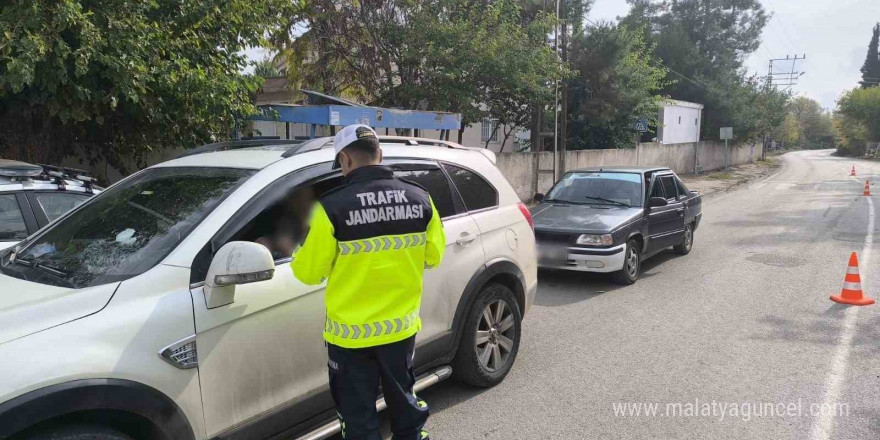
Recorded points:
(722, 175)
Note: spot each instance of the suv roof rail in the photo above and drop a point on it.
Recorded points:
(325, 142)
(240, 144)
(59, 174)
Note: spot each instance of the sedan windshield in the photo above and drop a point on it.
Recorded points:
(620, 189)
(125, 230)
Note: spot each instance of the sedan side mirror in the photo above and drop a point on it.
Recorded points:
(237, 262)
(656, 202)
(539, 197)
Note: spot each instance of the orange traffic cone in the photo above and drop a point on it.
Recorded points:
(853, 172)
(852, 286)
(867, 189)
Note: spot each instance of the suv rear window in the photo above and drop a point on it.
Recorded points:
(437, 185)
(57, 203)
(127, 229)
(12, 227)
(476, 192)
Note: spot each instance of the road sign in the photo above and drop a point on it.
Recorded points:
(726, 133)
(641, 125)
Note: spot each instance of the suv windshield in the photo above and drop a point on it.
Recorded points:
(621, 189)
(127, 229)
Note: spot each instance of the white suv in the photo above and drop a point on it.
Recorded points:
(109, 329)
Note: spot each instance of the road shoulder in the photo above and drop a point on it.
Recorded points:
(716, 182)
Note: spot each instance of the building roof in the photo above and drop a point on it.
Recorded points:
(677, 103)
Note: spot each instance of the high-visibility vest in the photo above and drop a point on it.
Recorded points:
(371, 239)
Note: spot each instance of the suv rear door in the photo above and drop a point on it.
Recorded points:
(444, 285)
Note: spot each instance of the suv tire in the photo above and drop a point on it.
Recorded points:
(687, 241)
(632, 264)
(491, 337)
(79, 432)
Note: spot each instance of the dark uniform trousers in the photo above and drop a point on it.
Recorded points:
(355, 374)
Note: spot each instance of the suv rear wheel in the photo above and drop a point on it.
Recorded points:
(491, 338)
(79, 432)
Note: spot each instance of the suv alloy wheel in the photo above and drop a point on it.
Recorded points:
(491, 338)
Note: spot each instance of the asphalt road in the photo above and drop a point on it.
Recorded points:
(743, 321)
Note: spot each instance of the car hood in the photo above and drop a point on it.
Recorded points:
(27, 307)
(7, 244)
(581, 218)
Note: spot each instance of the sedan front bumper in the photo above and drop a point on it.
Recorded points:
(601, 260)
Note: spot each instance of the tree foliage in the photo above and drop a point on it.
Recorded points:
(266, 68)
(871, 68)
(858, 119)
(704, 44)
(617, 81)
(481, 59)
(806, 125)
(121, 78)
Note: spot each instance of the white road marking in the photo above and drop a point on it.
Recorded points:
(834, 383)
(784, 186)
(762, 183)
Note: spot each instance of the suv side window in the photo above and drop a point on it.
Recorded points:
(435, 181)
(476, 192)
(57, 203)
(12, 227)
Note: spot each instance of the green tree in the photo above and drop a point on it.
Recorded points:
(473, 57)
(704, 44)
(815, 126)
(788, 133)
(120, 78)
(871, 68)
(858, 119)
(617, 81)
(266, 68)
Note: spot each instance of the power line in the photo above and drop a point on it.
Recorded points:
(781, 24)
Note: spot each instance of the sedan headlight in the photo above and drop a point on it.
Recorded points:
(595, 240)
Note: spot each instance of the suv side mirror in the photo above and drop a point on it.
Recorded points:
(656, 202)
(237, 262)
(539, 197)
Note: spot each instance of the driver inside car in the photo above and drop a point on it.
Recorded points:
(288, 222)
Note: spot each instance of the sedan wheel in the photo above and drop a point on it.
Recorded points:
(687, 241)
(632, 261)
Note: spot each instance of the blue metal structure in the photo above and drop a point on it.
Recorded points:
(341, 114)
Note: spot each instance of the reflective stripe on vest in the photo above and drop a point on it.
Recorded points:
(373, 329)
(388, 242)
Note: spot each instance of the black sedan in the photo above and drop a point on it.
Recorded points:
(610, 219)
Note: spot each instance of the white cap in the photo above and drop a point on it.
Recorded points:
(352, 133)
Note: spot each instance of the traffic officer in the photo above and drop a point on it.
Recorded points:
(371, 239)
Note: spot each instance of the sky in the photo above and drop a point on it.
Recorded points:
(834, 34)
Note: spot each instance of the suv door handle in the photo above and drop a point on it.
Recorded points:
(465, 239)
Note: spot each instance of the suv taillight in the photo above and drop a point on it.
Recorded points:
(528, 215)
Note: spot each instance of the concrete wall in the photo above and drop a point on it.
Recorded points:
(533, 172)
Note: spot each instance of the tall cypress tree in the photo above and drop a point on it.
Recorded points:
(871, 69)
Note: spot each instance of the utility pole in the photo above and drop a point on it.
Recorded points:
(556, 101)
(563, 109)
(786, 76)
